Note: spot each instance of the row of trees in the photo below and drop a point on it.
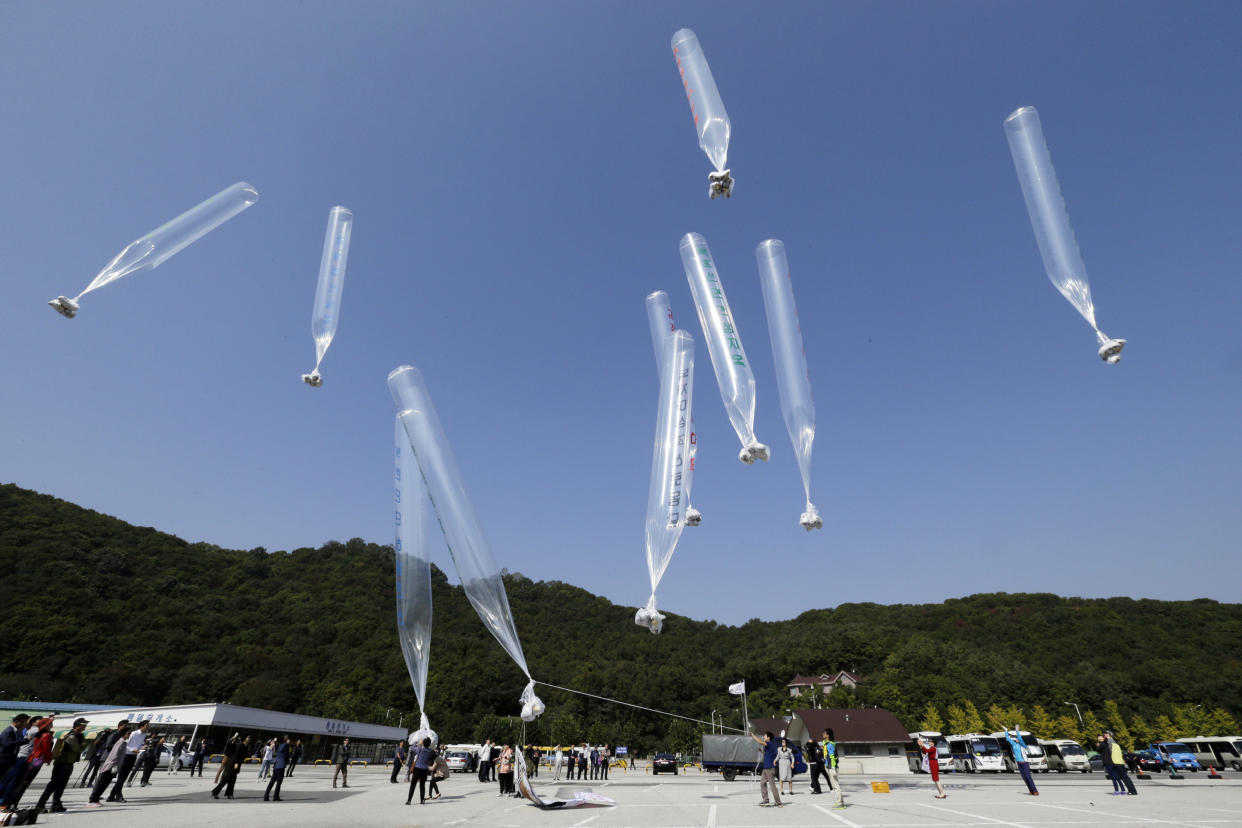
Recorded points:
(1182, 721)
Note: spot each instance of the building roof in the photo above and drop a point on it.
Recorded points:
(825, 678)
(859, 724)
(777, 726)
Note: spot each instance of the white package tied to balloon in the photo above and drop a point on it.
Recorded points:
(166, 241)
(789, 356)
(424, 732)
(660, 319)
(724, 345)
(327, 308)
(467, 543)
(668, 494)
(413, 564)
(711, 122)
(1050, 220)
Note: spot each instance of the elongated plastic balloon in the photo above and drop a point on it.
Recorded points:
(1050, 221)
(789, 356)
(472, 556)
(669, 492)
(331, 284)
(660, 318)
(167, 240)
(413, 565)
(711, 122)
(724, 345)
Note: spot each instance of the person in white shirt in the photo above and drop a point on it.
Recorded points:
(133, 744)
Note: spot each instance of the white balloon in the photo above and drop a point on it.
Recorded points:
(413, 565)
(724, 345)
(165, 241)
(668, 495)
(789, 356)
(327, 308)
(468, 546)
(660, 319)
(711, 122)
(1050, 221)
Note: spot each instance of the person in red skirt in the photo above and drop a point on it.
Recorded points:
(928, 748)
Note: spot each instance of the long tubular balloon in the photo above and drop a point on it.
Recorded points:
(468, 546)
(167, 240)
(331, 283)
(724, 345)
(1050, 221)
(660, 319)
(669, 492)
(789, 355)
(413, 565)
(711, 122)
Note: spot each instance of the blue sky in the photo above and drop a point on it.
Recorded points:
(520, 175)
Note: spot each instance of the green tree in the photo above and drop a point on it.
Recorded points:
(1066, 727)
(1117, 724)
(1220, 723)
(1040, 723)
(1141, 732)
(1091, 727)
(1004, 718)
(964, 718)
(931, 719)
(1188, 720)
(684, 737)
(1163, 729)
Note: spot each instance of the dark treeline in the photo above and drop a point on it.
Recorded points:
(99, 611)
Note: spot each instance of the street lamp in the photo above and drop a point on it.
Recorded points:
(713, 721)
(1075, 706)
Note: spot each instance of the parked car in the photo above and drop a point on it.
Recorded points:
(1177, 755)
(1097, 764)
(459, 761)
(165, 758)
(663, 763)
(1145, 760)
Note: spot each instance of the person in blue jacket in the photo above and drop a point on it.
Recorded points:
(1019, 757)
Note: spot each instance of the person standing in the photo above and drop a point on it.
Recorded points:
(295, 756)
(265, 767)
(64, 755)
(1019, 757)
(12, 738)
(133, 744)
(595, 763)
(815, 758)
(340, 758)
(155, 747)
(423, 759)
(830, 764)
(398, 759)
(493, 759)
(114, 759)
(197, 758)
(767, 778)
(928, 748)
(230, 766)
(1119, 764)
(174, 763)
(39, 735)
(94, 755)
(605, 758)
(280, 761)
(558, 759)
(784, 766)
(506, 770)
(485, 760)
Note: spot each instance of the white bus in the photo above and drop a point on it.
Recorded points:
(1219, 752)
(914, 757)
(975, 752)
(1034, 753)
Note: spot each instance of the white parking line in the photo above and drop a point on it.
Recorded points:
(711, 817)
(1111, 814)
(837, 817)
(974, 816)
(585, 821)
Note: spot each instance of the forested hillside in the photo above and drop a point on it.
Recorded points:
(99, 611)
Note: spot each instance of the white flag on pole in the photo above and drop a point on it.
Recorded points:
(738, 689)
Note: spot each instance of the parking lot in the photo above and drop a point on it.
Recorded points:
(689, 799)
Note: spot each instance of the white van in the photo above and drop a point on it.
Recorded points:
(1218, 752)
(1035, 757)
(1065, 755)
(975, 752)
(914, 756)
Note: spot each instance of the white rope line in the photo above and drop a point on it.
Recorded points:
(639, 707)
